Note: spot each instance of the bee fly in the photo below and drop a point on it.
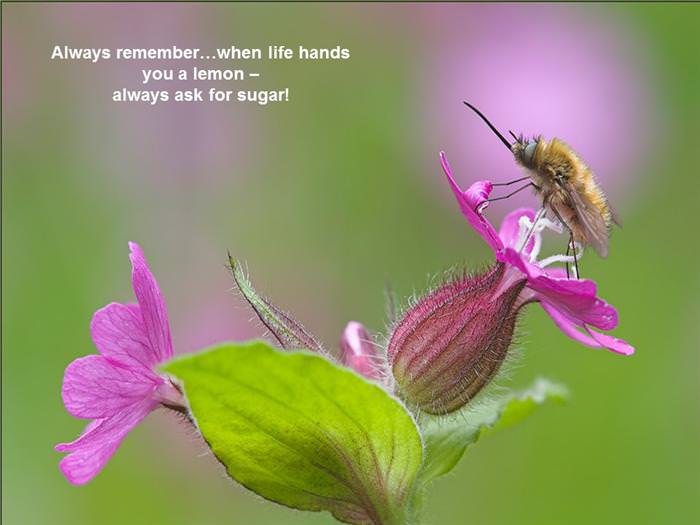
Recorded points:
(567, 187)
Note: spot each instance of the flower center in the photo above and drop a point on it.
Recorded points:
(532, 229)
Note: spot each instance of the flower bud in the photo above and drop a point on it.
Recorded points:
(357, 351)
(452, 343)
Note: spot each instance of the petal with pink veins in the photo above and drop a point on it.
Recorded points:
(151, 303)
(94, 387)
(93, 449)
(120, 335)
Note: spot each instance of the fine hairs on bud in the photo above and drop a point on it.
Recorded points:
(452, 342)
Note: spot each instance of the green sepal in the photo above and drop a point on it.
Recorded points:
(289, 333)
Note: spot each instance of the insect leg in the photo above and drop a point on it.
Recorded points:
(570, 246)
(573, 247)
(509, 195)
(511, 182)
(541, 213)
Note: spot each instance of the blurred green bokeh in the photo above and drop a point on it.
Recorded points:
(327, 198)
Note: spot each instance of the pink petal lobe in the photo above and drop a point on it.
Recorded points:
(509, 231)
(119, 334)
(469, 201)
(357, 350)
(574, 297)
(476, 194)
(591, 338)
(93, 449)
(619, 346)
(151, 303)
(94, 387)
(549, 278)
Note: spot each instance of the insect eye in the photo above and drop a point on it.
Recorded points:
(529, 151)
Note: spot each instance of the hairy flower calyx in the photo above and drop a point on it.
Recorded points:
(452, 342)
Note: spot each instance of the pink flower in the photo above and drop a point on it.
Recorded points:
(357, 351)
(118, 388)
(571, 303)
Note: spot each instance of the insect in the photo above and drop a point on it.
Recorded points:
(567, 187)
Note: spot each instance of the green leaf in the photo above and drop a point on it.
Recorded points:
(447, 438)
(303, 432)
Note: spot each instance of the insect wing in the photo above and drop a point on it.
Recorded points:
(615, 216)
(591, 220)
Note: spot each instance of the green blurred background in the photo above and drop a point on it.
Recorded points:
(327, 197)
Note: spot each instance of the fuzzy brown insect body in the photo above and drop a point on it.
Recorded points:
(568, 188)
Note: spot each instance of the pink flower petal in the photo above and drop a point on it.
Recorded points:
(574, 297)
(153, 310)
(550, 277)
(357, 350)
(619, 346)
(477, 194)
(591, 338)
(93, 449)
(591, 311)
(469, 201)
(120, 335)
(510, 229)
(94, 387)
